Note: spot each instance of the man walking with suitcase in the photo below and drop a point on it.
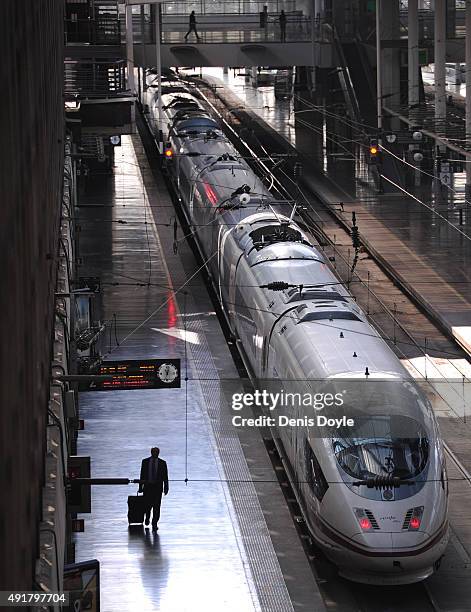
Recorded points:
(154, 482)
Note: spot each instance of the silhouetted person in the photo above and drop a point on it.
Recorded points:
(192, 26)
(282, 19)
(155, 476)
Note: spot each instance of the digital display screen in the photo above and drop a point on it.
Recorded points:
(136, 374)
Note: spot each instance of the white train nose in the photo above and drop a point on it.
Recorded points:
(409, 539)
(391, 541)
(374, 540)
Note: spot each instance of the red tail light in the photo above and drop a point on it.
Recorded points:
(413, 518)
(365, 524)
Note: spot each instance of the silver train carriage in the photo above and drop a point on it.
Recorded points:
(374, 534)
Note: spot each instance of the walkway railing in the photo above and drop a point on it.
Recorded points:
(226, 7)
(238, 29)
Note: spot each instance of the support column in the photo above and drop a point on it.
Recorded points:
(158, 62)
(143, 41)
(130, 49)
(413, 94)
(440, 59)
(413, 52)
(379, 89)
(391, 58)
(468, 97)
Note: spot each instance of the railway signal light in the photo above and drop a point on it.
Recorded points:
(374, 152)
(168, 152)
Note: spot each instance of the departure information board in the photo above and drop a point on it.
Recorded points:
(137, 374)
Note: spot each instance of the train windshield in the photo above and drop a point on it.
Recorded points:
(394, 446)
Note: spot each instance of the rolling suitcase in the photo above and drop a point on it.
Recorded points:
(136, 509)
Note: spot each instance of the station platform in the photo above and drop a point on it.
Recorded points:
(226, 539)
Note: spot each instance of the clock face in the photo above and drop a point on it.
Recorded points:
(167, 372)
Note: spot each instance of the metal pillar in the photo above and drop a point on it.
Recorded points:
(391, 57)
(413, 52)
(440, 59)
(143, 42)
(159, 74)
(379, 91)
(468, 97)
(130, 49)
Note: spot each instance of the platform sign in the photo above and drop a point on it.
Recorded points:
(445, 178)
(445, 173)
(79, 497)
(138, 374)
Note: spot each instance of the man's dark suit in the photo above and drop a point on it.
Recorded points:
(153, 490)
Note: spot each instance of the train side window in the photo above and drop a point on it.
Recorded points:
(315, 476)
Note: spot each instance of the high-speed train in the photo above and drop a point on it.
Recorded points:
(375, 494)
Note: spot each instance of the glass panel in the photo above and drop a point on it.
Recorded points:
(378, 448)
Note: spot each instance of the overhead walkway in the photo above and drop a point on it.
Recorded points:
(224, 40)
(236, 40)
